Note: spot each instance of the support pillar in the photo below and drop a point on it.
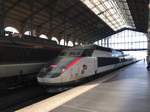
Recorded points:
(148, 38)
(66, 40)
(101, 42)
(59, 39)
(98, 42)
(22, 29)
(37, 31)
(31, 18)
(74, 42)
(107, 41)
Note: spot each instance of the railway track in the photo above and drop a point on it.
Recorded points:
(14, 99)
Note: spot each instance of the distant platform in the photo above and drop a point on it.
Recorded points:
(125, 90)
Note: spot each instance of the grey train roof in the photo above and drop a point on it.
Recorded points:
(96, 47)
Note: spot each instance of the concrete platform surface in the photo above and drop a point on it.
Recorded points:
(126, 90)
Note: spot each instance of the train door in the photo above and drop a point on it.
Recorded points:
(88, 66)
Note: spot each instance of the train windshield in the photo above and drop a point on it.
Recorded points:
(72, 52)
(77, 52)
(57, 67)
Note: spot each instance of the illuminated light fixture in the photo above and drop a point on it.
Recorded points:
(115, 13)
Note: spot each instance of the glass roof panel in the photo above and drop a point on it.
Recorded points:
(101, 8)
(96, 2)
(115, 13)
(88, 3)
(96, 11)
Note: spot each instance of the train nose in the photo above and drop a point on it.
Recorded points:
(48, 80)
(43, 80)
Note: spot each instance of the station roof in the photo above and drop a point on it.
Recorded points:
(77, 20)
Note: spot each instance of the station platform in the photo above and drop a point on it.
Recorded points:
(125, 90)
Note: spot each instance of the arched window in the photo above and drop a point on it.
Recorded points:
(43, 36)
(70, 43)
(96, 43)
(55, 39)
(11, 29)
(27, 33)
(76, 43)
(62, 42)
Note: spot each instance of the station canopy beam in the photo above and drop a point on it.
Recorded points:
(83, 20)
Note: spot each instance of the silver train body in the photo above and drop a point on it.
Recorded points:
(76, 63)
(22, 58)
(11, 70)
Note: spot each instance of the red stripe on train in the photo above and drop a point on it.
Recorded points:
(75, 61)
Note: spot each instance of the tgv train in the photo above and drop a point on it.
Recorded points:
(75, 64)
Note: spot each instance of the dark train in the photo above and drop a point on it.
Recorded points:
(22, 58)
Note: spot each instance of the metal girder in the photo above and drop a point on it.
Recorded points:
(31, 17)
(92, 34)
(50, 11)
(70, 19)
(140, 10)
(83, 36)
(38, 11)
(14, 18)
(86, 36)
(96, 35)
(61, 13)
(13, 6)
(84, 26)
(75, 23)
(73, 19)
(90, 30)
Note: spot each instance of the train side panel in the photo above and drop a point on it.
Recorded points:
(85, 67)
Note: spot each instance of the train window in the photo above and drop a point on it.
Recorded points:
(104, 61)
(117, 53)
(63, 53)
(87, 52)
(75, 53)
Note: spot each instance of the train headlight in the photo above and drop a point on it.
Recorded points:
(53, 66)
(63, 70)
(44, 69)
